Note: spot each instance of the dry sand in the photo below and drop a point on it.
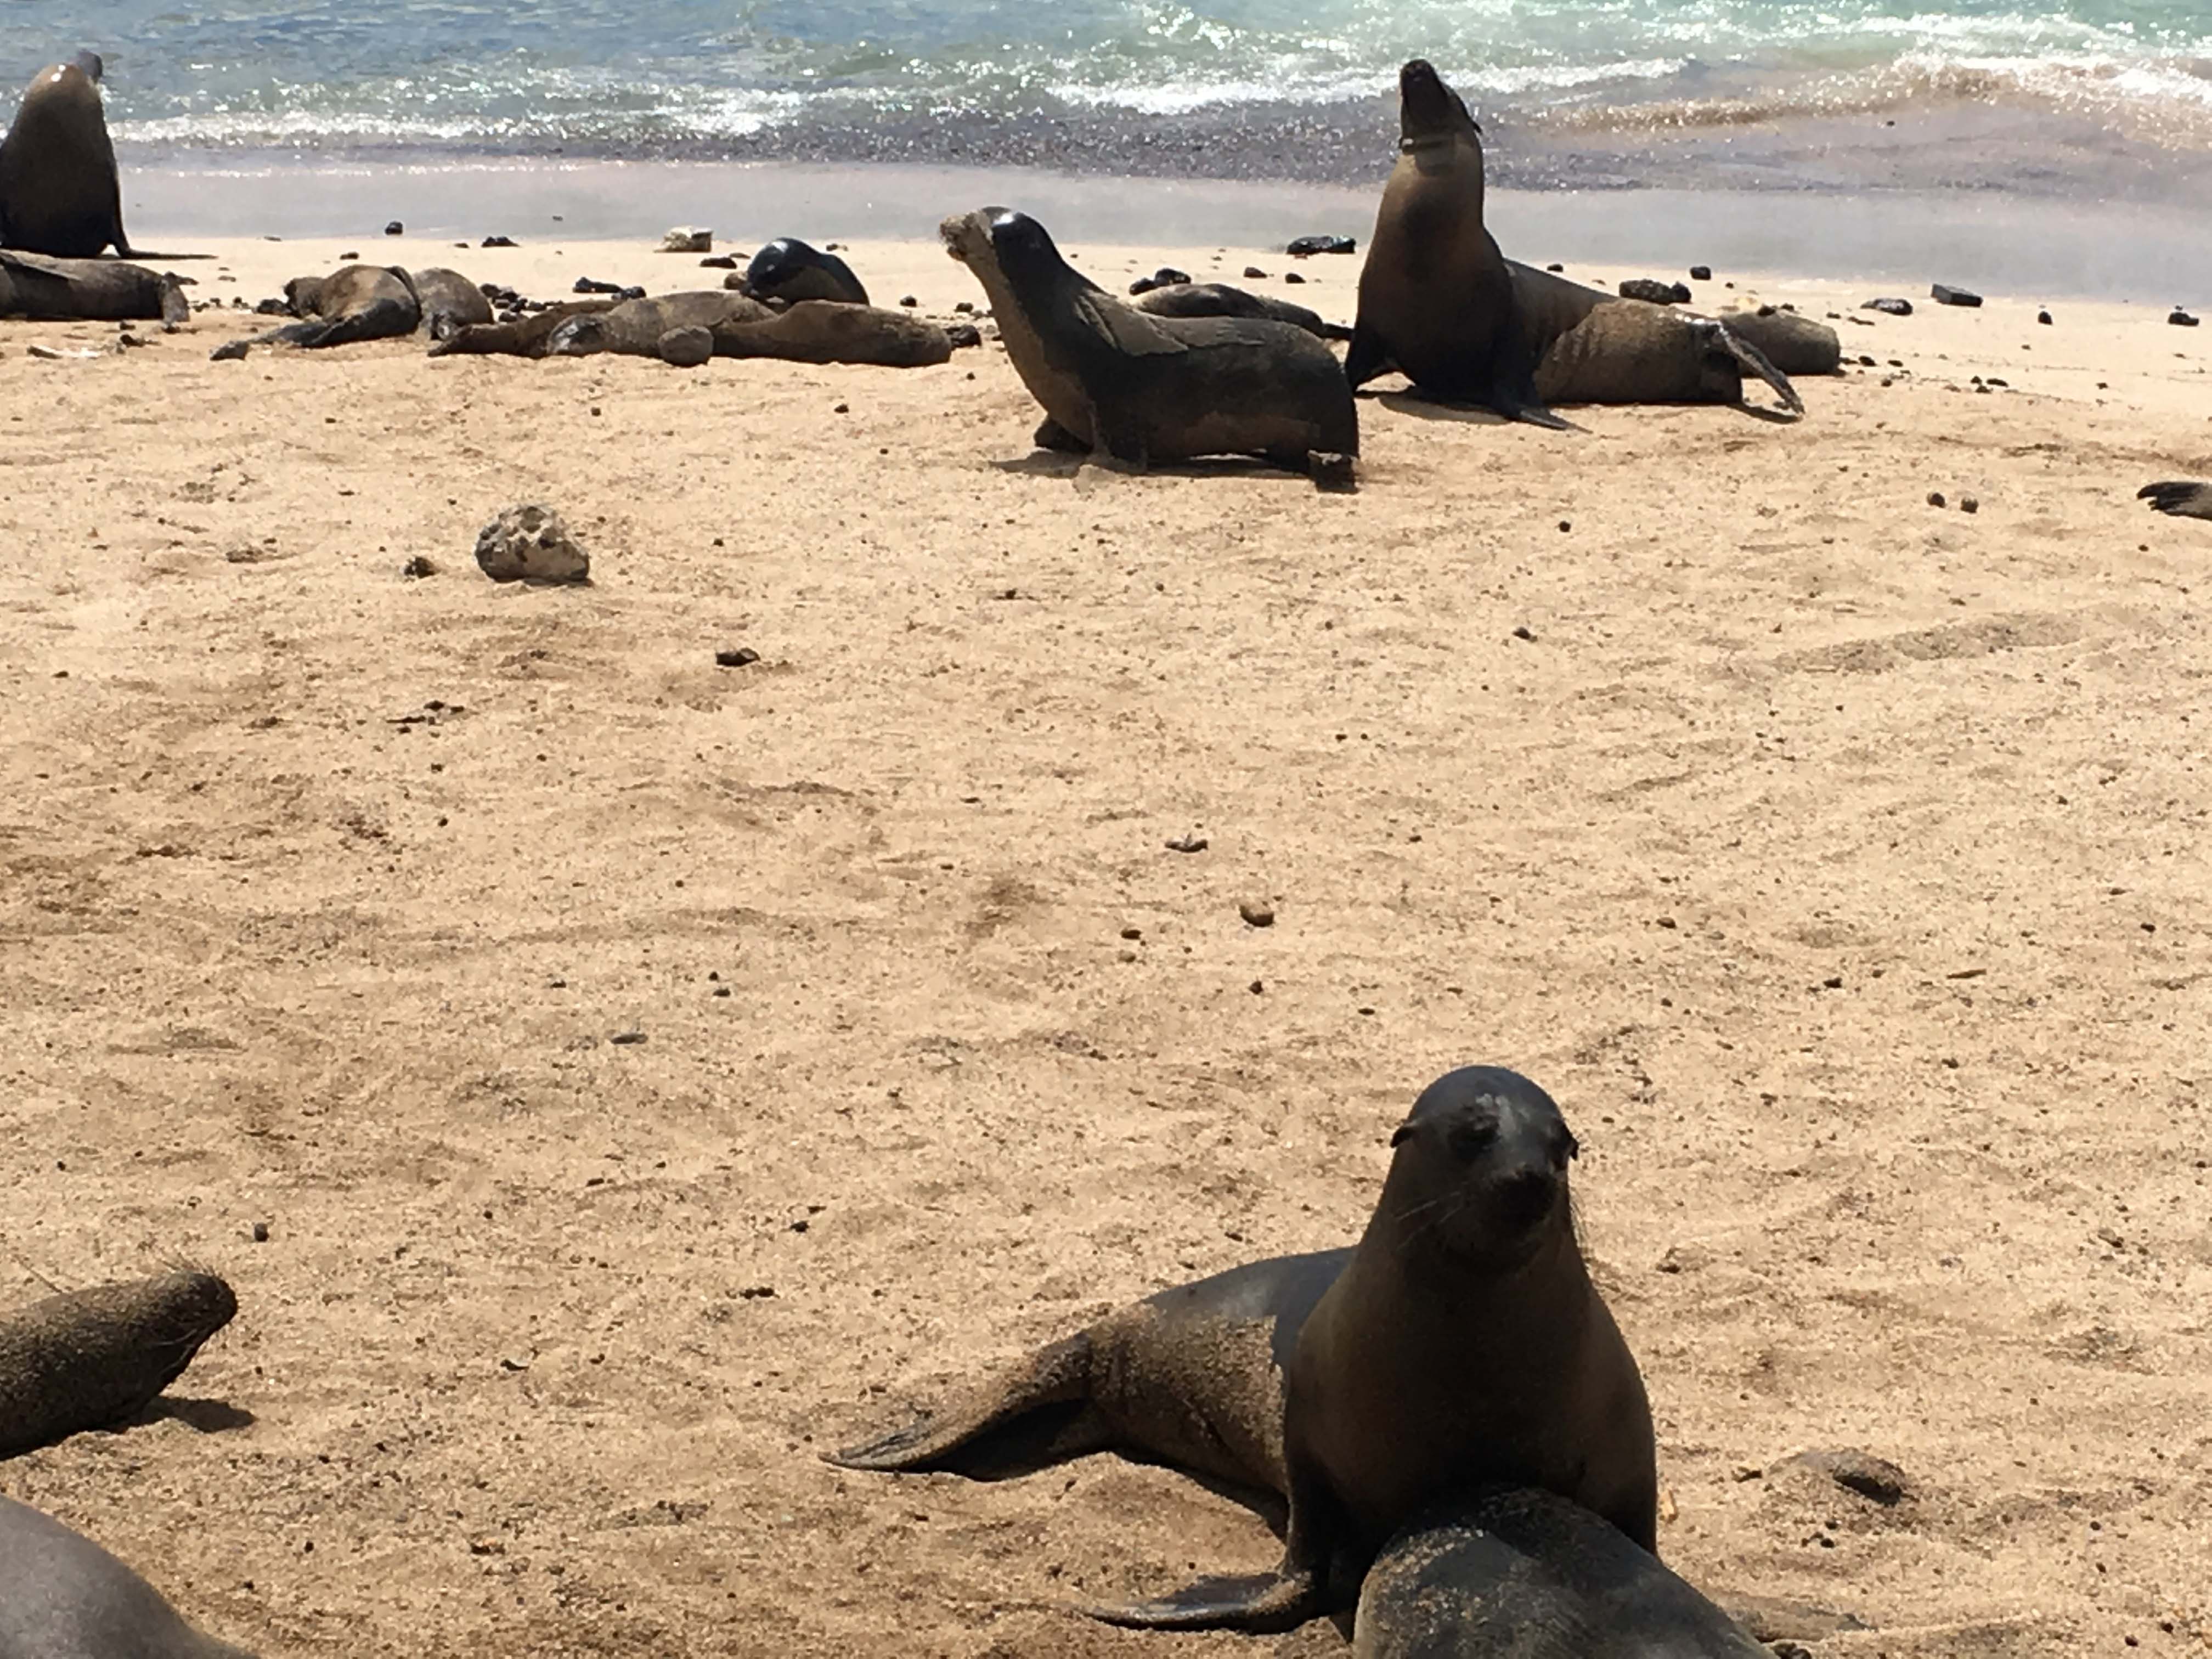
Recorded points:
(1837, 861)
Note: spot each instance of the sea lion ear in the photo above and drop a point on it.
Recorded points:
(1404, 1131)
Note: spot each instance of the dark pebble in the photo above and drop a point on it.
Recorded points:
(909, 300)
(627, 1036)
(737, 658)
(964, 334)
(417, 567)
(1292, 277)
(1253, 274)
(718, 262)
(591, 285)
(261, 1232)
(1133, 932)
(1935, 498)
(1890, 307)
(1255, 913)
(1523, 633)
(1870, 1476)
(1943, 294)
(1565, 524)
(395, 228)
(2043, 317)
(1968, 504)
(1306, 246)
(965, 308)
(498, 241)
(1701, 273)
(1555, 267)
(356, 254)
(1659, 293)
(2180, 318)
(1188, 844)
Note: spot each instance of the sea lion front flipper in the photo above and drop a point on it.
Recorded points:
(1755, 361)
(1040, 1415)
(1051, 435)
(1366, 358)
(2178, 496)
(1513, 377)
(1134, 333)
(1259, 1604)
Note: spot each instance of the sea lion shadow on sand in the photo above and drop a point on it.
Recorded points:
(200, 1415)
(1050, 463)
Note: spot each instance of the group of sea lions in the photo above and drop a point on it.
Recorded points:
(1458, 1432)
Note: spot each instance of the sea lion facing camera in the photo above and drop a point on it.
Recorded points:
(1142, 388)
(1435, 299)
(60, 193)
(1463, 1344)
(788, 269)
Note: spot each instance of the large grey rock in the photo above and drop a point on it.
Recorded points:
(529, 543)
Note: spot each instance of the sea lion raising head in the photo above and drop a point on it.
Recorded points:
(60, 193)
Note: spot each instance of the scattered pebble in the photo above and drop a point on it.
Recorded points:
(1565, 524)
(2043, 317)
(1658, 292)
(1969, 504)
(1861, 1472)
(909, 300)
(417, 567)
(2181, 318)
(687, 238)
(739, 657)
(395, 228)
(1935, 498)
(1165, 276)
(1523, 633)
(1555, 267)
(1889, 307)
(1188, 844)
(842, 409)
(1701, 273)
(965, 308)
(1256, 914)
(1944, 294)
(1253, 274)
(718, 262)
(963, 335)
(261, 1232)
(1292, 277)
(529, 543)
(498, 241)
(1305, 246)
(629, 1036)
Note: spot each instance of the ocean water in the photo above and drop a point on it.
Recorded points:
(2095, 96)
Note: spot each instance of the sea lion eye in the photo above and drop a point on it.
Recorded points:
(1469, 1141)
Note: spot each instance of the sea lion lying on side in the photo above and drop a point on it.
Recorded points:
(1221, 299)
(2184, 500)
(371, 302)
(62, 1597)
(44, 290)
(807, 332)
(525, 336)
(60, 193)
(1794, 345)
(1141, 387)
(1515, 1573)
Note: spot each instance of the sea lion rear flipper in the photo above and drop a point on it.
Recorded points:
(1366, 358)
(2178, 496)
(1513, 380)
(1041, 1415)
(1260, 1604)
(1754, 361)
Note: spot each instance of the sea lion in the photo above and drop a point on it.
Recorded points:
(1221, 299)
(58, 190)
(1794, 345)
(353, 303)
(1435, 297)
(86, 1360)
(1191, 1377)
(1517, 1573)
(62, 1597)
(835, 332)
(633, 328)
(2182, 499)
(1462, 1343)
(1592, 347)
(448, 302)
(788, 269)
(1142, 388)
(526, 336)
(47, 289)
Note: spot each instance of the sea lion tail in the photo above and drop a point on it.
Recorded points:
(1754, 361)
(2178, 496)
(1040, 1415)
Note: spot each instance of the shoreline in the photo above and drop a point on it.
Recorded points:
(2000, 243)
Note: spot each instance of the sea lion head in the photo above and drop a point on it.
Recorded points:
(1429, 112)
(777, 262)
(1480, 1171)
(1022, 249)
(89, 64)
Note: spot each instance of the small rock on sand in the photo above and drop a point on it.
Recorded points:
(1658, 292)
(1701, 273)
(2181, 318)
(1305, 246)
(687, 238)
(1889, 307)
(529, 543)
(395, 228)
(1943, 294)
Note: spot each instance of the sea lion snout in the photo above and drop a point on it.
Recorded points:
(1427, 108)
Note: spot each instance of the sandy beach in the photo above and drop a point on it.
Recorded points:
(652, 1073)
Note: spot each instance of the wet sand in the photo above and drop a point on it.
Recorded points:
(1835, 860)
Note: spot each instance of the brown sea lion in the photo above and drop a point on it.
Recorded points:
(1221, 299)
(2182, 499)
(525, 337)
(1142, 388)
(353, 303)
(46, 290)
(1794, 345)
(1519, 1573)
(1592, 347)
(448, 302)
(58, 190)
(1192, 1377)
(1436, 301)
(1463, 1344)
(788, 270)
(87, 1359)
(62, 1597)
(836, 332)
(633, 328)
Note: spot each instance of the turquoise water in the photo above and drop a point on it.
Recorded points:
(1090, 81)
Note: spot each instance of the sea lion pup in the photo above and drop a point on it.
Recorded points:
(46, 290)
(58, 190)
(62, 1597)
(448, 301)
(835, 332)
(1436, 301)
(88, 1358)
(633, 328)
(1463, 1344)
(789, 269)
(1515, 1573)
(354, 302)
(1592, 347)
(1142, 388)
(2183, 500)
(1192, 1377)
(1221, 299)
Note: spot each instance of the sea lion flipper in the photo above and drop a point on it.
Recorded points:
(1260, 1604)
(1040, 1415)
(1366, 358)
(1755, 361)
(2178, 496)
(1134, 332)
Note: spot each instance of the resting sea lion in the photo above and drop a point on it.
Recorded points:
(448, 301)
(1592, 347)
(87, 290)
(1435, 297)
(2184, 500)
(834, 331)
(1221, 299)
(58, 190)
(1144, 388)
(1462, 1343)
(634, 327)
(788, 269)
(62, 1597)
(86, 1360)
(1515, 1573)
(525, 337)
(1794, 345)
(1192, 1377)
